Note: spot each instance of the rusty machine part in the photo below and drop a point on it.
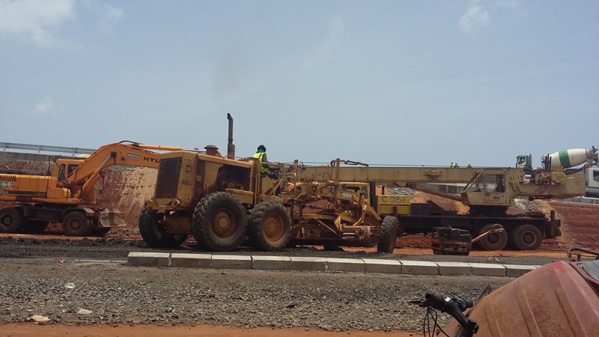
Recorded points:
(577, 253)
(454, 241)
(451, 241)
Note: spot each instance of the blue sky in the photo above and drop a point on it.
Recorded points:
(382, 82)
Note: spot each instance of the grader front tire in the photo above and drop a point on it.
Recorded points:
(219, 222)
(389, 229)
(269, 226)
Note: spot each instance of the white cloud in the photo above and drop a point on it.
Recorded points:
(508, 4)
(331, 40)
(45, 107)
(35, 20)
(476, 16)
(112, 15)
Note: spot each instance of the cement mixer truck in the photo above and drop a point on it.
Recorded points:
(570, 161)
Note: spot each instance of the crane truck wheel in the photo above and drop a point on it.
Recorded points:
(526, 237)
(219, 222)
(11, 220)
(154, 233)
(76, 224)
(269, 226)
(389, 229)
(494, 241)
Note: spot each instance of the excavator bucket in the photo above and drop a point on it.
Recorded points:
(111, 218)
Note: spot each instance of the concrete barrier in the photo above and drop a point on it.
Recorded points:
(382, 266)
(265, 262)
(349, 265)
(191, 260)
(231, 262)
(454, 268)
(144, 259)
(308, 263)
(488, 269)
(419, 267)
(516, 270)
(271, 262)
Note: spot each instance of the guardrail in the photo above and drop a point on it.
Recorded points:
(45, 148)
(585, 200)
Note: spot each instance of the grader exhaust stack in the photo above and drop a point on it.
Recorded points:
(230, 145)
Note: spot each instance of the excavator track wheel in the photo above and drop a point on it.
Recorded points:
(269, 226)
(11, 220)
(76, 224)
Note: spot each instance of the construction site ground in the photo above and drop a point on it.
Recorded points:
(315, 304)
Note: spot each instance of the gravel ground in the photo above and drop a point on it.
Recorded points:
(89, 292)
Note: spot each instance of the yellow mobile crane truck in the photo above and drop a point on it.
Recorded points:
(488, 192)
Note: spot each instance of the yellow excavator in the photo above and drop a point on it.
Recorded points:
(67, 195)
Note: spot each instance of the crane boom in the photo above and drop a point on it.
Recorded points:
(494, 186)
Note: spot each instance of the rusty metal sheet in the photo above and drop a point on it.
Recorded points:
(553, 300)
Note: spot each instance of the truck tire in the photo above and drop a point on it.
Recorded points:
(154, 234)
(76, 224)
(495, 241)
(269, 226)
(35, 226)
(526, 237)
(219, 222)
(11, 220)
(389, 229)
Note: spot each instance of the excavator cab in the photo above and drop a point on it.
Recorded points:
(66, 167)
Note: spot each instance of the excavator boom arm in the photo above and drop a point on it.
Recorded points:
(121, 153)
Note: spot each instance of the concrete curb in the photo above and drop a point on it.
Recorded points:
(265, 262)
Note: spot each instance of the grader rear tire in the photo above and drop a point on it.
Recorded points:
(389, 229)
(219, 222)
(154, 234)
(269, 226)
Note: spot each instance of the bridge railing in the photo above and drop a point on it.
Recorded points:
(45, 148)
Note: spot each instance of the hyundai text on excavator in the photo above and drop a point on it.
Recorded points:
(221, 201)
(67, 195)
